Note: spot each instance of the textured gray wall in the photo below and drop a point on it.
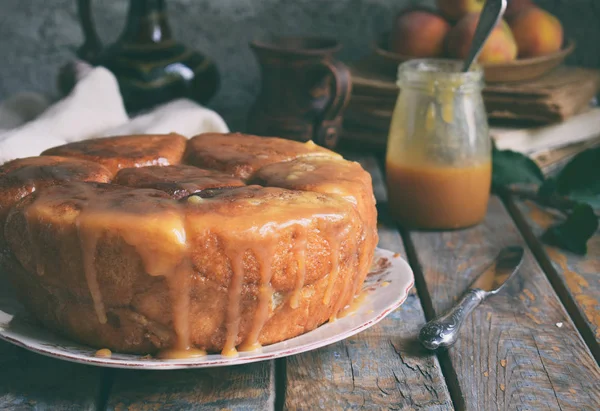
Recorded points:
(38, 36)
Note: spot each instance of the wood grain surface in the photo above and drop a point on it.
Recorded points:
(381, 368)
(32, 381)
(519, 350)
(576, 278)
(245, 387)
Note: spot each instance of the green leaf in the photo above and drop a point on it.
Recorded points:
(581, 174)
(548, 189)
(574, 233)
(510, 167)
(579, 180)
(593, 200)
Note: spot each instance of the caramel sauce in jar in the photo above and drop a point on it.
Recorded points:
(438, 197)
(438, 162)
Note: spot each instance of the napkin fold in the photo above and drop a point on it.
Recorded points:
(181, 116)
(94, 108)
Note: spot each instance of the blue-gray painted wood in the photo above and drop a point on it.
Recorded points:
(31, 381)
(519, 349)
(239, 388)
(575, 278)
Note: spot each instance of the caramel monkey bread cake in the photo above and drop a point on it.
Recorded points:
(154, 244)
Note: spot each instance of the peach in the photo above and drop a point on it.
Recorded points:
(457, 9)
(500, 46)
(419, 33)
(514, 7)
(536, 32)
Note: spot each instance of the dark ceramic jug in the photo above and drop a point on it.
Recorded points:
(304, 90)
(150, 66)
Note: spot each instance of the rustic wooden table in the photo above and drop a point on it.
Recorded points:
(535, 346)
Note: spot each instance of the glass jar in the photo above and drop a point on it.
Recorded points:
(438, 160)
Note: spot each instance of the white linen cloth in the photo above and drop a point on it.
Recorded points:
(94, 108)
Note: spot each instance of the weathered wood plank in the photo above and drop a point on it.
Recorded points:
(240, 388)
(575, 278)
(32, 381)
(519, 350)
(381, 368)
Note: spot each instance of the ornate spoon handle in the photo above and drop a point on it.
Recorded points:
(443, 331)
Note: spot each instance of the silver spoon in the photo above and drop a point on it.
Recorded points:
(492, 12)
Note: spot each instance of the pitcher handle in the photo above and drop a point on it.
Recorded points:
(327, 132)
(91, 47)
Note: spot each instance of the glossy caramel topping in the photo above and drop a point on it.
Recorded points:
(241, 155)
(251, 221)
(179, 181)
(318, 174)
(339, 177)
(266, 205)
(176, 354)
(120, 152)
(103, 353)
(147, 220)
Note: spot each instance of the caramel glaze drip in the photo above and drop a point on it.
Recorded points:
(334, 250)
(89, 241)
(263, 253)
(344, 294)
(265, 294)
(179, 289)
(236, 258)
(334, 237)
(300, 257)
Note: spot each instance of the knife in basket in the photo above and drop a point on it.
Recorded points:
(443, 331)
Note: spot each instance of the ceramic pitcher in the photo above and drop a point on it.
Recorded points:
(304, 90)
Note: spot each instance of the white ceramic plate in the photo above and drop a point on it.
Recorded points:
(385, 289)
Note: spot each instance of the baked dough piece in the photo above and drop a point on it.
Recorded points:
(21, 177)
(120, 152)
(327, 175)
(179, 181)
(334, 176)
(242, 154)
